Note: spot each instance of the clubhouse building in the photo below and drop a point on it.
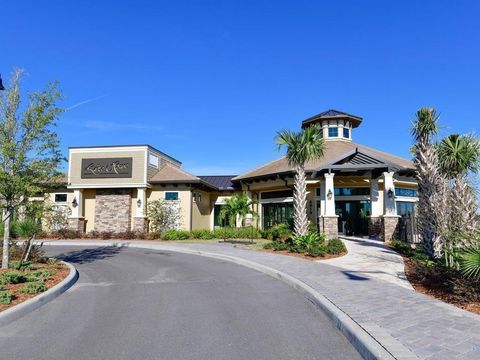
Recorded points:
(353, 189)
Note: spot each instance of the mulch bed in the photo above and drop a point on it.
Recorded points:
(58, 270)
(447, 286)
(302, 256)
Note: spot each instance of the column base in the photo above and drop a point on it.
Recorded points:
(329, 226)
(390, 228)
(374, 227)
(77, 224)
(140, 224)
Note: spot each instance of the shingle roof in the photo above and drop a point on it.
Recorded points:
(171, 173)
(223, 182)
(334, 152)
(333, 114)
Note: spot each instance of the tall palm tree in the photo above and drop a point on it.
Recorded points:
(302, 147)
(432, 186)
(459, 155)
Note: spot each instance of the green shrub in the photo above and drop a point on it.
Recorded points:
(335, 247)
(305, 243)
(407, 250)
(6, 297)
(316, 251)
(28, 228)
(279, 246)
(176, 235)
(277, 232)
(470, 263)
(14, 264)
(154, 235)
(202, 234)
(13, 277)
(269, 245)
(33, 288)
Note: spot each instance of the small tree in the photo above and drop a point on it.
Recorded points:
(29, 147)
(163, 215)
(55, 217)
(238, 205)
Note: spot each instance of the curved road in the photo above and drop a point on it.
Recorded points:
(143, 304)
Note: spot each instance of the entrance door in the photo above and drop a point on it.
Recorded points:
(352, 216)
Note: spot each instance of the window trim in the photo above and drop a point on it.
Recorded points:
(333, 128)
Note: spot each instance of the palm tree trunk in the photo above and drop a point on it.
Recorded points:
(432, 204)
(463, 210)
(300, 224)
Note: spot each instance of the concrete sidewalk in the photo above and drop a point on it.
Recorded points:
(406, 323)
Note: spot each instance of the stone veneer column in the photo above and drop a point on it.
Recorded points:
(390, 218)
(328, 222)
(375, 218)
(112, 210)
(140, 221)
(76, 221)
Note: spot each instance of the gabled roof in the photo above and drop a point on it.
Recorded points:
(333, 114)
(222, 182)
(335, 151)
(171, 174)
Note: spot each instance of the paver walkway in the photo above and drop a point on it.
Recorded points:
(372, 259)
(408, 324)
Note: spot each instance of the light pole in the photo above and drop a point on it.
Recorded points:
(1, 84)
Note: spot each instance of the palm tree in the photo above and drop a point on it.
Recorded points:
(459, 155)
(303, 146)
(432, 186)
(238, 205)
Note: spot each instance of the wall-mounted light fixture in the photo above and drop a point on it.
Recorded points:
(74, 202)
(390, 193)
(139, 203)
(329, 194)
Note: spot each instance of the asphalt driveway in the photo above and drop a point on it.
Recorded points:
(146, 304)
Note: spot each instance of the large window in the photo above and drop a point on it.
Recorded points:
(346, 133)
(276, 214)
(351, 191)
(333, 132)
(217, 221)
(171, 195)
(405, 208)
(405, 192)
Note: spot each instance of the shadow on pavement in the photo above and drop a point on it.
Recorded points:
(90, 255)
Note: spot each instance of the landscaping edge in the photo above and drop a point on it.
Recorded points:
(368, 347)
(15, 312)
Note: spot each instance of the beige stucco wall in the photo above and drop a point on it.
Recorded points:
(184, 199)
(202, 211)
(50, 198)
(138, 167)
(89, 209)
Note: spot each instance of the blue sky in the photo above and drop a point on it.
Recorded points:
(210, 82)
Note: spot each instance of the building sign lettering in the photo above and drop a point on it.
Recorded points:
(107, 168)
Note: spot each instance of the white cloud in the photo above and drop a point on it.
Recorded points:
(85, 102)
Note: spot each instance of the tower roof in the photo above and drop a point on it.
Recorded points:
(332, 114)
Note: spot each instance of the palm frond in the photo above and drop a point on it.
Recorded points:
(470, 263)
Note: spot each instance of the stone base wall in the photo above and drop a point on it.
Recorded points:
(329, 226)
(76, 224)
(112, 210)
(390, 229)
(140, 224)
(375, 227)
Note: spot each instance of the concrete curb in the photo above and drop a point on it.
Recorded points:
(22, 309)
(364, 343)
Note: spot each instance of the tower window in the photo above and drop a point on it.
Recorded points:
(346, 133)
(333, 132)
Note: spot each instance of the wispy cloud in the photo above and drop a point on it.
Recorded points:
(85, 102)
(110, 125)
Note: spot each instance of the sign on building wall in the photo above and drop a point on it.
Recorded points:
(107, 168)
